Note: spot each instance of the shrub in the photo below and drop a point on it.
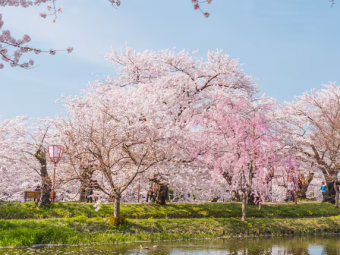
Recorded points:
(116, 221)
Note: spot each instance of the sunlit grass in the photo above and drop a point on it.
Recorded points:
(172, 210)
(24, 224)
(95, 230)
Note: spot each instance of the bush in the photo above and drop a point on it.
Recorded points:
(116, 221)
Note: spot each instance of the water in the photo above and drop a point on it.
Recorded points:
(316, 245)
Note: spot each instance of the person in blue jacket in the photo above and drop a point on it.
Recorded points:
(323, 188)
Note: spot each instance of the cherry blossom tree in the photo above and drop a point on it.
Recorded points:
(25, 150)
(241, 144)
(314, 122)
(120, 145)
(77, 164)
(13, 176)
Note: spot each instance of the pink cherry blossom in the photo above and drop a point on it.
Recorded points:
(26, 38)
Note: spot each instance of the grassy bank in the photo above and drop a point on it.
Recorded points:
(82, 230)
(170, 211)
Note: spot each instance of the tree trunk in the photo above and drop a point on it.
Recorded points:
(244, 202)
(161, 194)
(303, 184)
(82, 195)
(116, 207)
(45, 191)
(330, 192)
(215, 199)
(46, 183)
(336, 195)
(84, 181)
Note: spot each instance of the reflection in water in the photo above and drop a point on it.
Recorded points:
(316, 245)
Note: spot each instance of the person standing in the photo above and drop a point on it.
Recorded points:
(149, 194)
(90, 192)
(323, 189)
(94, 188)
(290, 191)
(38, 188)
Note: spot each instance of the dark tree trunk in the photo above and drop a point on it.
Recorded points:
(251, 199)
(46, 183)
(331, 192)
(84, 182)
(45, 191)
(82, 193)
(303, 184)
(215, 199)
(161, 194)
(116, 207)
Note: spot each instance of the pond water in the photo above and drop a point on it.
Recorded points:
(316, 245)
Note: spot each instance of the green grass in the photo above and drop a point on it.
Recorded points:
(13, 210)
(81, 230)
(24, 224)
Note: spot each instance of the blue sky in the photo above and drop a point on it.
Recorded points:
(290, 46)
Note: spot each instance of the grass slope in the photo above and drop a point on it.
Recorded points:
(83, 230)
(23, 224)
(9, 210)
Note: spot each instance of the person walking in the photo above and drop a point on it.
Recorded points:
(323, 189)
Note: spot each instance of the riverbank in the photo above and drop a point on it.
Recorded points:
(24, 224)
(9, 210)
(83, 230)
